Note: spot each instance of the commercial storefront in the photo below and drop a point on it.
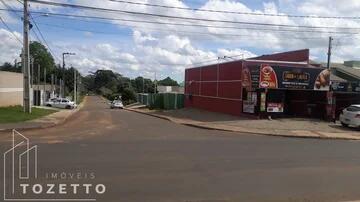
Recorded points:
(284, 89)
(282, 84)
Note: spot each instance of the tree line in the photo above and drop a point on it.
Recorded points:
(102, 82)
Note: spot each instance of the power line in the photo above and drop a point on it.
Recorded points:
(165, 16)
(168, 30)
(10, 8)
(235, 12)
(43, 38)
(8, 28)
(15, 12)
(71, 16)
(36, 35)
(200, 25)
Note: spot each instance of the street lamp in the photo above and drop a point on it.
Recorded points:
(63, 83)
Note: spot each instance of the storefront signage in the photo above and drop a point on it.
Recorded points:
(255, 77)
(286, 77)
(262, 102)
(268, 78)
(246, 78)
(250, 77)
(345, 87)
(249, 107)
(275, 107)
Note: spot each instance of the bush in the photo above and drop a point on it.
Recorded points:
(128, 96)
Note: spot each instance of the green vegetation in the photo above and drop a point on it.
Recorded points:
(15, 114)
(44, 60)
(168, 82)
(112, 85)
(103, 82)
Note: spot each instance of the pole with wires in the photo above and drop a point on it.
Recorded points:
(75, 82)
(329, 52)
(26, 60)
(143, 86)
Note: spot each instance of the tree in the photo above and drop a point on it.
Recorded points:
(128, 95)
(168, 82)
(107, 79)
(89, 83)
(142, 84)
(42, 57)
(10, 68)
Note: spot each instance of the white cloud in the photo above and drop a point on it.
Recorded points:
(10, 48)
(169, 52)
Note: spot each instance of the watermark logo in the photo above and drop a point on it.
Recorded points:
(22, 181)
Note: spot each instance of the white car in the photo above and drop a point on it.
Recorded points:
(350, 116)
(116, 104)
(63, 103)
(50, 102)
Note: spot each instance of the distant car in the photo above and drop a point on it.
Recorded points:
(116, 104)
(50, 102)
(350, 116)
(63, 103)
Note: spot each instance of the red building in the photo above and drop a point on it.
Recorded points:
(282, 84)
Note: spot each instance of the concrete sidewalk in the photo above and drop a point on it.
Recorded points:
(44, 122)
(289, 127)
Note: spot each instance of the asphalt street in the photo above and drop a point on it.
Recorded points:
(142, 158)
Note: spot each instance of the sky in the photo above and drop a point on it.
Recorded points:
(148, 49)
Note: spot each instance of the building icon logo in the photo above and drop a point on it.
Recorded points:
(16, 160)
(21, 180)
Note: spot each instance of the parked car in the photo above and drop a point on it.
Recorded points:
(63, 103)
(350, 116)
(50, 102)
(116, 104)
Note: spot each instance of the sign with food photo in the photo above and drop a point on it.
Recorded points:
(322, 81)
(287, 77)
(246, 78)
(268, 77)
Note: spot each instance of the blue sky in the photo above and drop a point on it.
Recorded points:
(167, 50)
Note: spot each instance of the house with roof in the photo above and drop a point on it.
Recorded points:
(349, 70)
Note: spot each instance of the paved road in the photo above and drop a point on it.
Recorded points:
(141, 158)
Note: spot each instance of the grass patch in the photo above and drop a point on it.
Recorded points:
(80, 99)
(15, 114)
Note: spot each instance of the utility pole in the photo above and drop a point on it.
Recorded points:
(63, 82)
(75, 94)
(55, 85)
(143, 90)
(329, 52)
(32, 69)
(38, 76)
(44, 98)
(60, 87)
(155, 83)
(52, 86)
(25, 64)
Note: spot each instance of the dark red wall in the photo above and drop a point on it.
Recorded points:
(215, 88)
(218, 87)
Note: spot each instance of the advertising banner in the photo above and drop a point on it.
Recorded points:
(275, 107)
(345, 86)
(251, 77)
(248, 107)
(287, 77)
(268, 77)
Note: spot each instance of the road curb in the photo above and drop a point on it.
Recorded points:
(50, 124)
(239, 131)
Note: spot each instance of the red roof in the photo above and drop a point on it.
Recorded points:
(291, 56)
